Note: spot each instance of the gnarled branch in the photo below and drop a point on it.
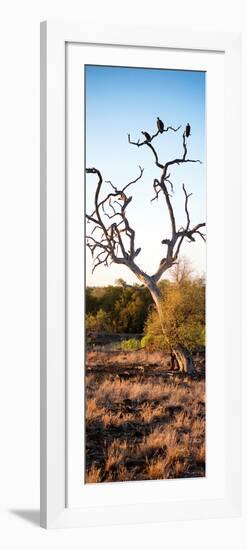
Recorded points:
(112, 244)
(118, 239)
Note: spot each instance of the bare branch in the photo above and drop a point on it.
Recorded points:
(171, 128)
(145, 141)
(171, 184)
(169, 204)
(100, 262)
(135, 180)
(112, 245)
(111, 241)
(178, 161)
(155, 185)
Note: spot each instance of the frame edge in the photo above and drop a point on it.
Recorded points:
(54, 514)
(43, 298)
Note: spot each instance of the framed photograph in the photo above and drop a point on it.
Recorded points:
(140, 250)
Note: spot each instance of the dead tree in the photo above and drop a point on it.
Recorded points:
(112, 239)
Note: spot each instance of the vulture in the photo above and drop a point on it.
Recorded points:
(165, 241)
(187, 130)
(147, 136)
(160, 125)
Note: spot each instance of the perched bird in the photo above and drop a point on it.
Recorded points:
(160, 125)
(147, 136)
(165, 241)
(187, 130)
(163, 261)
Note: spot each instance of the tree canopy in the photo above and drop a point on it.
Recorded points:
(117, 309)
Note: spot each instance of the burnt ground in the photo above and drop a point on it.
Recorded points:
(142, 420)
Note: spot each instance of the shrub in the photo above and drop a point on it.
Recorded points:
(183, 307)
(147, 341)
(131, 344)
(98, 322)
(152, 342)
(126, 308)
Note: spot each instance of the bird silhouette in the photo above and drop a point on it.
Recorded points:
(147, 136)
(187, 130)
(165, 241)
(160, 125)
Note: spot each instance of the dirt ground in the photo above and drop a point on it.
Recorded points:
(142, 421)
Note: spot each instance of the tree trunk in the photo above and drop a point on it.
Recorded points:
(184, 359)
(181, 358)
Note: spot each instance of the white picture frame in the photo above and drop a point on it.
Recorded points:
(55, 511)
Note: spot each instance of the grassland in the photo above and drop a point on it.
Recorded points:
(142, 421)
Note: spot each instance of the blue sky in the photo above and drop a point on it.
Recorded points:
(122, 100)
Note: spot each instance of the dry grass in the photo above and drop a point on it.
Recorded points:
(143, 424)
(94, 475)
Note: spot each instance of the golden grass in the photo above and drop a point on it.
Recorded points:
(93, 475)
(144, 427)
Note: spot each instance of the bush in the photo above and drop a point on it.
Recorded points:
(98, 322)
(126, 308)
(147, 341)
(131, 344)
(152, 342)
(183, 307)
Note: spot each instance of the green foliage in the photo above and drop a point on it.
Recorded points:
(183, 308)
(130, 310)
(98, 322)
(91, 301)
(147, 341)
(152, 342)
(131, 344)
(125, 309)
